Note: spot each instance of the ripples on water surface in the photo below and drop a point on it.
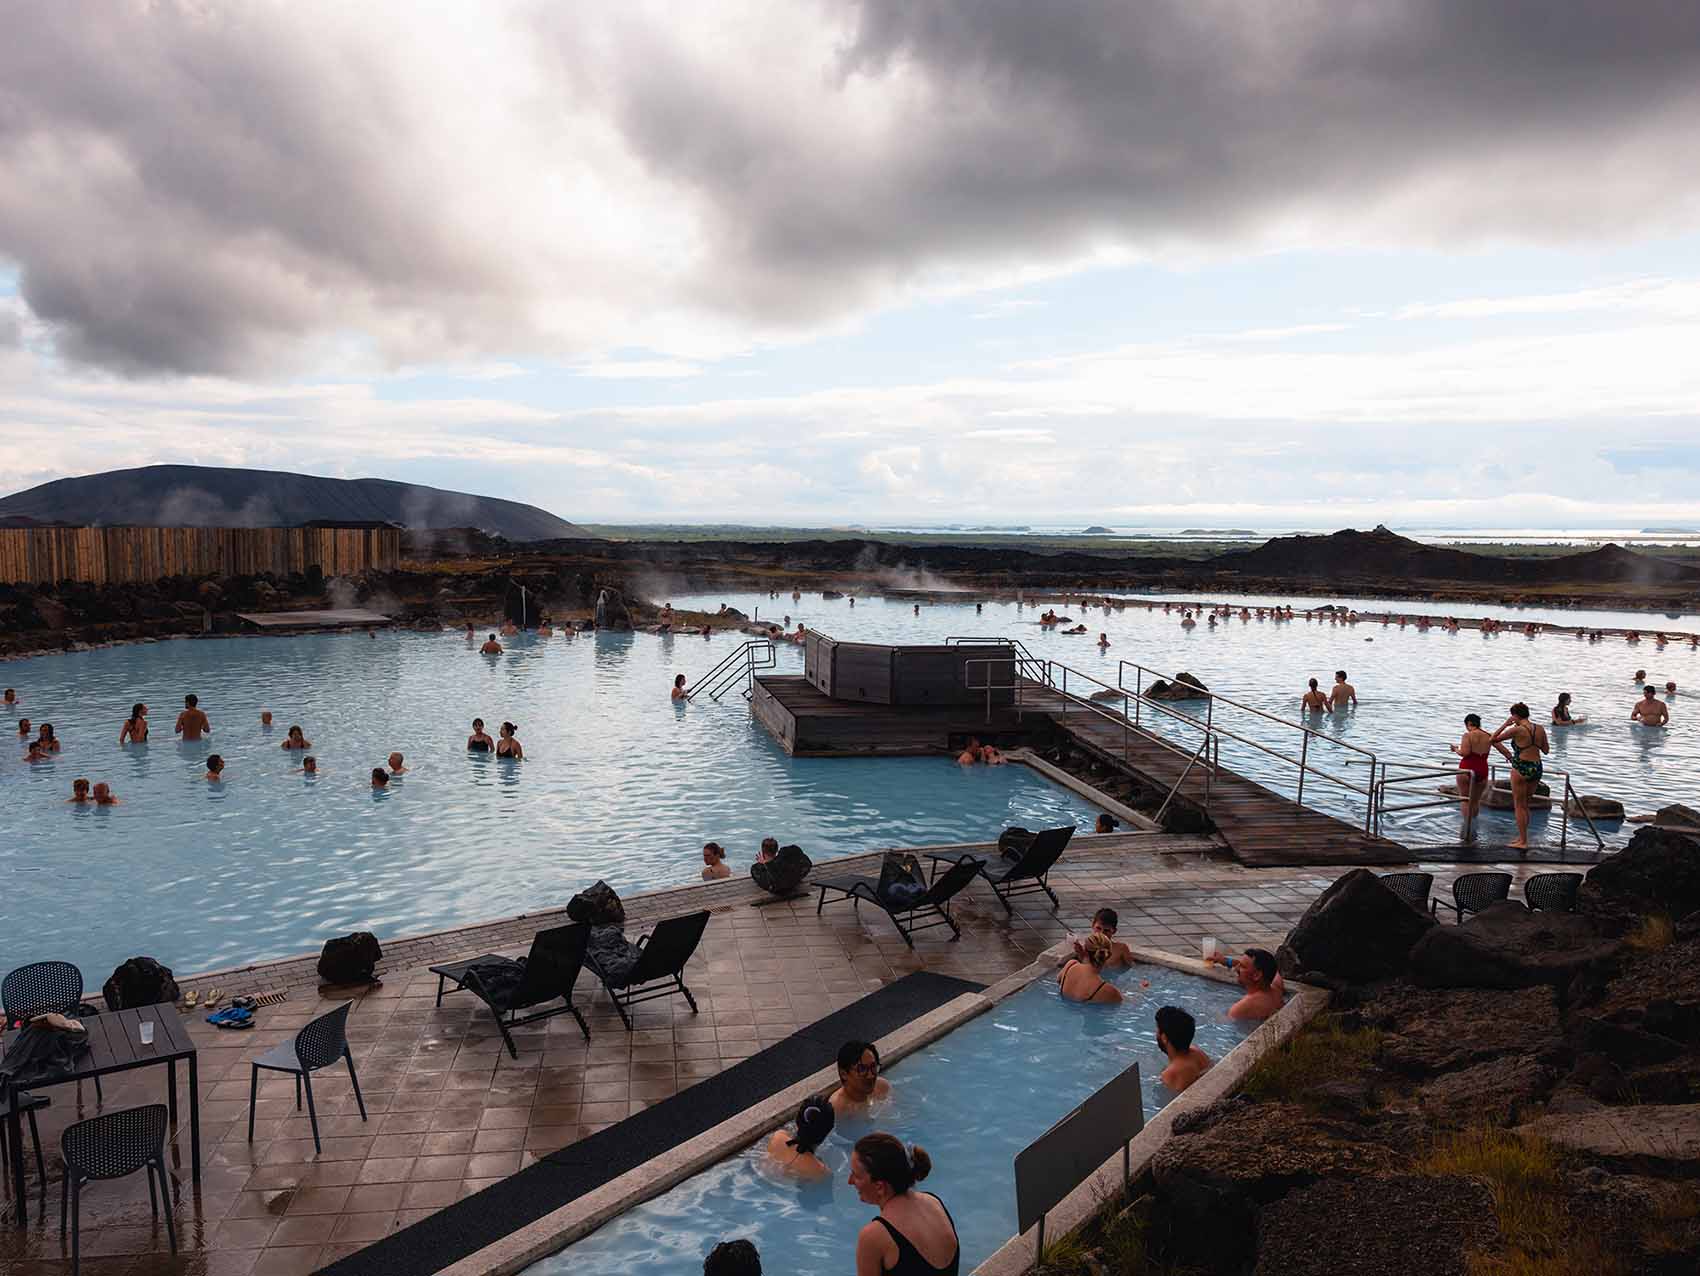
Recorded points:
(973, 1099)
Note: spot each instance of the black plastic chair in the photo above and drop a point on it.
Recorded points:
(660, 967)
(41, 988)
(1552, 892)
(930, 909)
(28, 1105)
(113, 1145)
(318, 1045)
(1473, 892)
(1413, 888)
(1029, 874)
(549, 971)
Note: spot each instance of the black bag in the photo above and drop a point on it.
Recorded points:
(784, 873)
(352, 959)
(614, 955)
(1013, 842)
(141, 981)
(42, 1054)
(598, 905)
(497, 981)
(901, 882)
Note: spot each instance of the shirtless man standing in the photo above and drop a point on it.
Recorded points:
(1313, 701)
(1649, 710)
(192, 723)
(1187, 1063)
(1343, 691)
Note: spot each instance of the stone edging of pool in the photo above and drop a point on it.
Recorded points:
(557, 1230)
(1056, 775)
(1017, 1255)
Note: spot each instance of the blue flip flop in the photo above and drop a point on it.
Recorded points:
(231, 1017)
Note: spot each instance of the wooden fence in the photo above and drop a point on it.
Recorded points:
(118, 555)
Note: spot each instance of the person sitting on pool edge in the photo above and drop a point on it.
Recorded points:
(215, 768)
(732, 1258)
(1187, 1063)
(1256, 972)
(1082, 979)
(859, 1079)
(769, 848)
(794, 1154)
(714, 866)
(1104, 923)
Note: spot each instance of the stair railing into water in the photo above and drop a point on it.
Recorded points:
(736, 672)
(1570, 796)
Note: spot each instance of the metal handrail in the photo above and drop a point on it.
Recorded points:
(738, 667)
(1564, 800)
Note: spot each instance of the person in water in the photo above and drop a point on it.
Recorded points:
(309, 765)
(732, 1258)
(1529, 739)
(1343, 692)
(794, 1154)
(265, 719)
(380, 778)
(79, 792)
(491, 647)
(1561, 715)
(11, 697)
(398, 764)
(1104, 922)
(296, 740)
(1313, 701)
(192, 723)
(23, 729)
(1082, 978)
(1649, 710)
(1472, 751)
(1261, 982)
(103, 795)
(859, 1079)
(509, 746)
(769, 848)
(478, 742)
(679, 692)
(36, 753)
(135, 728)
(47, 742)
(215, 769)
(1187, 1063)
(1106, 823)
(714, 866)
(913, 1234)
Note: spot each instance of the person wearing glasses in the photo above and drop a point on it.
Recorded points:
(859, 1080)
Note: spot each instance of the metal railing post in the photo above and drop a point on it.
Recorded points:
(1304, 765)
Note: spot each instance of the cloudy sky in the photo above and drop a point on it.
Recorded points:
(1156, 263)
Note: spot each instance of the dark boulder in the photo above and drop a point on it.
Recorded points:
(784, 873)
(1183, 687)
(611, 611)
(1428, 1031)
(1392, 1223)
(598, 905)
(141, 981)
(1508, 946)
(1495, 1091)
(350, 959)
(1355, 931)
(1658, 872)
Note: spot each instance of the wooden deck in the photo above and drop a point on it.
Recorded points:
(810, 724)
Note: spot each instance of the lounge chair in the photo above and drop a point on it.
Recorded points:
(1030, 871)
(1413, 888)
(1552, 892)
(923, 912)
(508, 986)
(660, 967)
(1473, 892)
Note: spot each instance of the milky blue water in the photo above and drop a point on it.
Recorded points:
(973, 1099)
(618, 782)
(1413, 688)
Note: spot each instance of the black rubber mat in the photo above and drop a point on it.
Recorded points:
(467, 1226)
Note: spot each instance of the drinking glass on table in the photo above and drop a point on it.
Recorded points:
(146, 1030)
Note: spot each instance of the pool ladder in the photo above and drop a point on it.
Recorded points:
(736, 672)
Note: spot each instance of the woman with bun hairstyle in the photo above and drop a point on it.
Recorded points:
(795, 1153)
(508, 745)
(913, 1234)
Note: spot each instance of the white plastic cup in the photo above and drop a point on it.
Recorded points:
(1209, 946)
(146, 1029)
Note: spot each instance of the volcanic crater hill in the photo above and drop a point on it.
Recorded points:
(216, 496)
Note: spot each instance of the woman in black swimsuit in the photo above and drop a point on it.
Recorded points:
(478, 742)
(135, 729)
(914, 1234)
(508, 746)
(1084, 980)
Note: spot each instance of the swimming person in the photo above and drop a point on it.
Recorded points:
(1343, 691)
(1187, 1063)
(79, 792)
(24, 729)
(1260, 980)
(1561, 715)
(1313, 701)
(192, 723)
(1106, 823)
(1082, 979)
(859, 1080)
(215, 768)
(265, 719)
(914, 1234)
(795, 1153)
(1530, 741)
(47, 742)
(714, 866)
(135, 728)
(679, 692)
(478, 742)
(491, 647)
(732, 1258)
(11, 697)
(1472, 751)
(508, 746)
(1104, 923)
(1649, 710)
(398, 764)
(309, 765)
(1103, 642)
(103, 795)
(380, 778)
(296, 740)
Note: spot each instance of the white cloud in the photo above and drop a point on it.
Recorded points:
(639, 369)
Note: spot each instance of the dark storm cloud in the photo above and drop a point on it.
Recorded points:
(205, 188)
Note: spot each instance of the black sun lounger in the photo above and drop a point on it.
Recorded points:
(508, 986)
(1028, 874)
(931, 908)
(660, 968)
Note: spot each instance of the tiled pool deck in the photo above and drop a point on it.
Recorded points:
(450, 1111)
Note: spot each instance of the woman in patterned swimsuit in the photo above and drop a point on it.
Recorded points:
(1529, 739)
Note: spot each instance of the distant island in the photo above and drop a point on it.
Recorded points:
(1095, 530)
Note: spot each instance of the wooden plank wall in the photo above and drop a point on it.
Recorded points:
(120, 555)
